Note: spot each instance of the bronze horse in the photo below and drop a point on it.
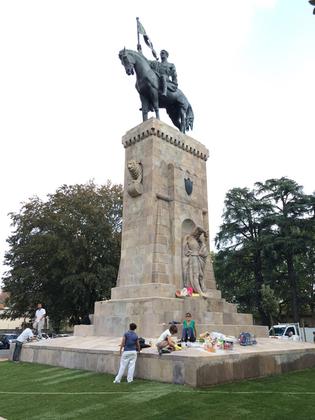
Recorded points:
(176, 104)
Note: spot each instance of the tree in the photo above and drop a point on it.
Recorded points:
(64, 252)
(268, 238)
(235, 278)
(269, 302)
(240, 242)
(3, 297)
(290, 223)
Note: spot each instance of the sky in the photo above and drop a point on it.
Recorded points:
(247, 68)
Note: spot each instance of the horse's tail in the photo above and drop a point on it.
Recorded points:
(189, 118)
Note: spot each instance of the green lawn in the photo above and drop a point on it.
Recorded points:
(29, 391)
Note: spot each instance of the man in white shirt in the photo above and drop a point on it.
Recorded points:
(293, 337)
(165, 339)
(25, 336)
(39, 320)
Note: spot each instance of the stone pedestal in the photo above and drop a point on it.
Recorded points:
(165, 198)
(155, 221)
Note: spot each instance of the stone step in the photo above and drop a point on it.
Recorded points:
(152, 290)
(113, 317)
(84, 330)
(195, 304)
(200, 305)
(229, 307)
(154, 330)
(152, 321)
(143, 290)
(168, 309)
(207, 317)
(136, 306)
(235, 318)
(234, 330)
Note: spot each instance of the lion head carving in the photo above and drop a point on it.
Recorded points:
(135, 170)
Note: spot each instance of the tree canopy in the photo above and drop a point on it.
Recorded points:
(64, 252)
(266, 248)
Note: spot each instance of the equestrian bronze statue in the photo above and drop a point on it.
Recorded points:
(157, 85)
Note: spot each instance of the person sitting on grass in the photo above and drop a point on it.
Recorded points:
(130, 344)
(165, 340)
(189, 329)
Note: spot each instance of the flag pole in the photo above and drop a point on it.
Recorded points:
(138, 36)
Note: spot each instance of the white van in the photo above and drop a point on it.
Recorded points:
(298, 333)
(286, 331)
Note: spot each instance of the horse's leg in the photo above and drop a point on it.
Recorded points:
(144, 107)
(144, 115)
(182, 120)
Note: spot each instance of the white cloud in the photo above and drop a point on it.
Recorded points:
(265, 4)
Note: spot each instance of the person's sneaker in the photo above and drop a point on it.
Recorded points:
(116, 382)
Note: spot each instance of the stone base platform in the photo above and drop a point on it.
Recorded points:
(191, 366)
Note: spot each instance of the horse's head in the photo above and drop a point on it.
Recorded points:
(127, 61)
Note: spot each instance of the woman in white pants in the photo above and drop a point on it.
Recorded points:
(130, 344)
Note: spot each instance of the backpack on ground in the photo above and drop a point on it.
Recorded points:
(246, 339)
(142, 343)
